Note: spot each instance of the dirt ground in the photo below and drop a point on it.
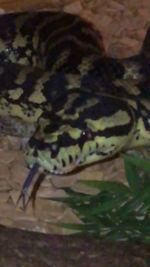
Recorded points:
(123, 25)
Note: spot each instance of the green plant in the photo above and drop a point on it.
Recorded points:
(118, 211)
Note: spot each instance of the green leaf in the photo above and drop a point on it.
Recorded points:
(117, 211)
(109, 186)
(132, 175)
(139, 162)
(72, 226)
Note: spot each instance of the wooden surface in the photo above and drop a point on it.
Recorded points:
(19, 5)
(22, 248)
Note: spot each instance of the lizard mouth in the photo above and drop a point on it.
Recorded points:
(66, 168)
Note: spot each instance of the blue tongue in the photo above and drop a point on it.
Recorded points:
(27, 183)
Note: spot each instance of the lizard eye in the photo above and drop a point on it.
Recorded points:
(54, 147)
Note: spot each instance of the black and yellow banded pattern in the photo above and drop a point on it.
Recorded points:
(60, 89)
